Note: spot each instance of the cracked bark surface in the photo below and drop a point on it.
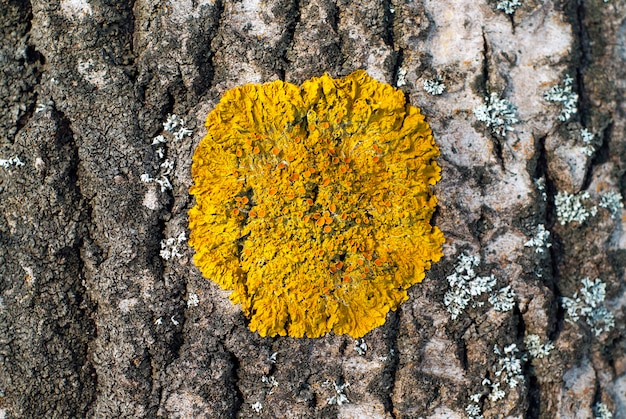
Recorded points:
(94, 323)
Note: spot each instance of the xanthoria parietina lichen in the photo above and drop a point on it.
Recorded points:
(313, 203)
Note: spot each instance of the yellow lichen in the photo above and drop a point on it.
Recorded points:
(314, 203)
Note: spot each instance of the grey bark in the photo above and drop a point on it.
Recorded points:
(94, 323)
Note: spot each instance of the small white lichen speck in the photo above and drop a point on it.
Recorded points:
(541, 240)
(591, 306)
(509, 365)
(541, 187)
(13, 161)
(474, 412)
(360, 346)
(565, 96)
(340, 397)
(612, 201)
(601, 411)
(569, 207)
(503, 300)
(509, 6)
(257, 407)
(401, 77)
(588, 139)
(464, 285)
(271, 381)
(169, 247)
(193, 300)
(496, 392)
(536, 348)
(173, 129)
(498, 114)
(435, 86)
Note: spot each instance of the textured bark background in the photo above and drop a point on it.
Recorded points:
(94, 323)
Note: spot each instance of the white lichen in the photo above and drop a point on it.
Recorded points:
(540, 241)
(465, 285)
(192, 300)
(491, 390)
(498, 114)
(12, 161)
(569, 207)
(271, 381)
(166, 167)
(475, 398)
(496, 392)
(257, 407)
(182, 132)
(509, 7)
(173, 129)
(172, 123)
(590, 306)
(401, 77)
(474, 412)
(272, 358)
(340, 397)
(565, 96)
(164, 183)
(503, 300)
(541, 187)
(159, 139)
(435, 86)
(176, 125)
(612, 201)
(509, 368)
(360, 346)
(536, 348)
(160, 180)
(170, 247)
(601, 411)
(588, 140)
(44, 106)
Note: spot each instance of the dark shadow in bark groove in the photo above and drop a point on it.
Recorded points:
(390, 371)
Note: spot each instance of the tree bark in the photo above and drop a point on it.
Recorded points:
(96, 323)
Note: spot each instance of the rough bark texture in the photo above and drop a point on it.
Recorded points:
(94, 323)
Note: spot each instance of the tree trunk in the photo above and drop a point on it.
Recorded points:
(96, 321)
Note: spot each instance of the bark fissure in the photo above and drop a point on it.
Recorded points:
(218, 15)
(289, 37)
(391, 368)
(496, 141)
(388, 21)
(239, 399)
(397, 65)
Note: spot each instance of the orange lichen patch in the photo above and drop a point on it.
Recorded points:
(339, 244)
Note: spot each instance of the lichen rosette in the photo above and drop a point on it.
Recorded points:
(314, 203)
